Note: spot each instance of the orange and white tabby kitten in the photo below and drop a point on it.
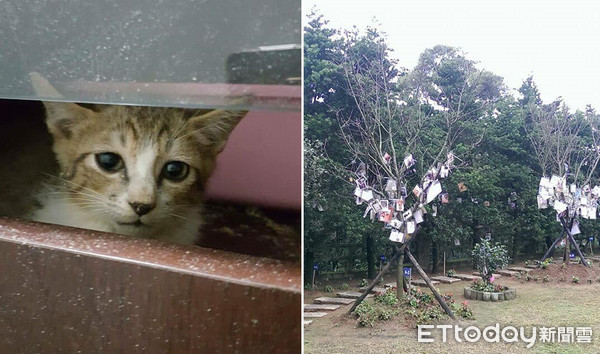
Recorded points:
(137, 171)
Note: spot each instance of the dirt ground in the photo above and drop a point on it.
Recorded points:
(551, 304)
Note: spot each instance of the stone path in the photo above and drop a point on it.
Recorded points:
(333, 300)
(375, 289)
(314, 314)
(509, 273)
(519, 269)
(320, 307)
(466, 277)
(422, 282)
(495, 275)
(351, 294)
(445, 280)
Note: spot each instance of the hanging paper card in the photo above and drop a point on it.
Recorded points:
(555, 181)
(444, 172)
(391, 185)
(572, 188)
(395, 223)
(435, 210)
(445, 198)
(583, 201)
(399, 204)
(407, 215)
(376, 206)
(385, 216)
(462, 187)
(361, 170)
(359, 201)
(596, 191)
(456, 242)
(410, 227)
(486, 203)
(386, 158)
(434, 190)
(396, 236)
(409, 161)
(545, 182)
(362, 183)
(592, 211)
(367, 195)
(369, 209)
(417, 191)
(560, 206)
(450, 158)
(542, 203)
(575, 228)
(385, 204)
(358, 192)
(418, 215)
(403, 191)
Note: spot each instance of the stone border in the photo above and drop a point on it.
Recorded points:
(472, 294)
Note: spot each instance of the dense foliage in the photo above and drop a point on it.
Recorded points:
(498, 164)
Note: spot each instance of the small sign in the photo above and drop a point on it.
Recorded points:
(592, 238)
(316, 266)
(407, 272)
(382, 258)
(572, 255)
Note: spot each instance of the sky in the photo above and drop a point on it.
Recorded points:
(558, 42)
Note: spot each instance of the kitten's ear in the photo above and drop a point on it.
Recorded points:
(61, 117)
(213, 128)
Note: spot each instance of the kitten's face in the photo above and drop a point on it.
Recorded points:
(138, 170)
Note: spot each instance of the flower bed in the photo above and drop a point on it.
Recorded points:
(504, 295)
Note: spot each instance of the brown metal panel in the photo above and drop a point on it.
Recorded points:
(71, 290)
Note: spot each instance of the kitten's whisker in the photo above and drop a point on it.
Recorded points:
(73, 183)
(178, 216)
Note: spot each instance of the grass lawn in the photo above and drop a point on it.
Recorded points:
(537, 304)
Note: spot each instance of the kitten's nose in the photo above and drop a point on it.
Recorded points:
(141, 208)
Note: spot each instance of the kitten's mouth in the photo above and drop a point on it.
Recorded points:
(137, 223)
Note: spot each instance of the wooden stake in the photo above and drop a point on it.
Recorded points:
(444, 262)
(433, 289)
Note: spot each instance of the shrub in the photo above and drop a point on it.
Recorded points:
(388, 298)
(328, 288)
(488, 257)
(366, 314)
(451, 273)
(575, 279)
(344, 286)
(363, 282)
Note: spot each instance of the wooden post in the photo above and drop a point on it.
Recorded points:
(375, 281)
(585, 263)
(400, 276)
(433, 289)
(313, 279)
(444, 262)
(553, 245)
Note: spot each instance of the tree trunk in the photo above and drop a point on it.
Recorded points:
(400, 276)
(370, 258)
(434, 257)
(309, 258)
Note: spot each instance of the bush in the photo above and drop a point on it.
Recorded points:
(488, 257)
(451, 273)
(363, 282)
(388, 298)
(328, 288)
(344, 286)
(575, 279)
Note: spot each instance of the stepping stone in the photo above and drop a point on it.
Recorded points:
(307, 322)
(422, 282)
(445, 280)
(333, 300)
(320, 307)
(314, 314)
(351, 294)
(595, 259)
(519, 269)
(494, 275)
(531, 266)
(375, 289)
(466, 277)
(510, 273)
(390, 285)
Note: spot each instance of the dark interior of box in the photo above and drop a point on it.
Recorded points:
(245, 229)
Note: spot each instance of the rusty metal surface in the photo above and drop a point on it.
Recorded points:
(69, 290)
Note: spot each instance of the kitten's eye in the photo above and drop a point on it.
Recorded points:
(109, 161)
(175, 171)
